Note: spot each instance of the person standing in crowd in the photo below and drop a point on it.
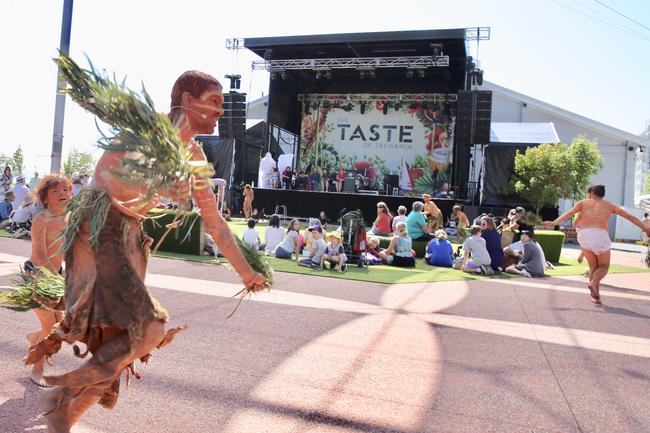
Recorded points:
(325, 180)
(382, 226)
(416, 224)
(462, 222)
(400, 250)
(6, 208)
(273, 235)
(492, 242)
(340, 178)
(20, 190)
(287, 174)
(7, 180)
(33, 182)
(476, 258)
(593, 236)
(432, 213)
(532, 261)
(275, 178)
(401, 216)
(249, 195)
(291, 243)
(440, 252)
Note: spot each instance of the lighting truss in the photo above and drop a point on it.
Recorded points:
(363, 63)
(477, 34)
(391, 98)
(234, 43)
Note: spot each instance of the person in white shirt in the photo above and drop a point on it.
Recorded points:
(20, 189)
(400, 218)
(475, 247)
(274, 234)
(21, 221)
(251, 236)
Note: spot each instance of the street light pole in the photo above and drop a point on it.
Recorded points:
(59, 110)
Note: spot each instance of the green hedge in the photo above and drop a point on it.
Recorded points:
(551, 242)
(172, 243)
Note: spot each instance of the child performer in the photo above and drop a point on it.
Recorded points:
(334, 254)
(54, 192)
(248, 201)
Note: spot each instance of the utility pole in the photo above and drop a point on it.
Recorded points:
(59, 110)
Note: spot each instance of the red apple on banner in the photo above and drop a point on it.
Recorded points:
(369, 169)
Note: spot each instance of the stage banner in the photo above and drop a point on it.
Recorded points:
(413, 138)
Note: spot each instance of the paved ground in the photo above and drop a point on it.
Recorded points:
(327, 355)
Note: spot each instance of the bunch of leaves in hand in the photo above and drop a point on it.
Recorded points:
(34, 290)
(159, 159)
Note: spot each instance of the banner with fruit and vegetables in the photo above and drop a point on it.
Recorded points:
(378, 140)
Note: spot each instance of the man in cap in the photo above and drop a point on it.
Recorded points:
(20, 190)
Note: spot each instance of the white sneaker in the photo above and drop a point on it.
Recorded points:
(526, 274)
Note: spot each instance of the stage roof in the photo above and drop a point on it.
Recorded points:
(522, 133)
(343, 45)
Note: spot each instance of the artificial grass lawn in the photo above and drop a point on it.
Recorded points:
(422, 272)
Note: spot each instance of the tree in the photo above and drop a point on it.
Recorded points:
(6, 160)
(540, 174)
(19, 161)
(585, 162)
(78, 162)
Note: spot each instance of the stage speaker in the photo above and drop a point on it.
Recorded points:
(349, 184)
(474, 115)
(233, 122)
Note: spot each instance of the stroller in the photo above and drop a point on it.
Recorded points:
(353, 235)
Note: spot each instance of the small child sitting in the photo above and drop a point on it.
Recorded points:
(371, 256)
(334, 253)
(316, 250)
(251, 236)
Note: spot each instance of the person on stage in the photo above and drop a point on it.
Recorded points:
(340, 177)
(593, 236)
(107, 305)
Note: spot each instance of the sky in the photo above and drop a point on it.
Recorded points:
(575, 54)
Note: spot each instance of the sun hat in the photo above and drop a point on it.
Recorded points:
(334, 234)
(315, 227)
(19, 178)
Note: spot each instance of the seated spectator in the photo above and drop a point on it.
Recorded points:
(251, 236)
(307, 237)
(316, 249)
(401, 216)
(444, 191)
(325, 182)
(381, 226)
(476, 258)
(440, 251)
(400, 251)
(492, 242)
(532, 261)
(334, 253)
(21, 221)
(416, 223)
(372, 254)
(20, 190)
(323, 220)
(291, 242)
(314, 180)
(226, 211)
(6, 209)
(274, 234)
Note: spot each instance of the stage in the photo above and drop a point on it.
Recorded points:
(306, 204)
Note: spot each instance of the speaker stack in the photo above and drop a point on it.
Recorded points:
(474, 115)
(233, 122)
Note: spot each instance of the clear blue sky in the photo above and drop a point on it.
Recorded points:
(540, 48)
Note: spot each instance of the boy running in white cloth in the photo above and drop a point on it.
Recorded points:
(593, 235)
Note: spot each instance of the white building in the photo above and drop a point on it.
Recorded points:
(623, 170)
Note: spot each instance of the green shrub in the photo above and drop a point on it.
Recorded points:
(551, 242)
(178, 240)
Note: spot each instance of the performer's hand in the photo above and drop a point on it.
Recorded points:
(257, 283)
(647, 231)
(549, 223)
